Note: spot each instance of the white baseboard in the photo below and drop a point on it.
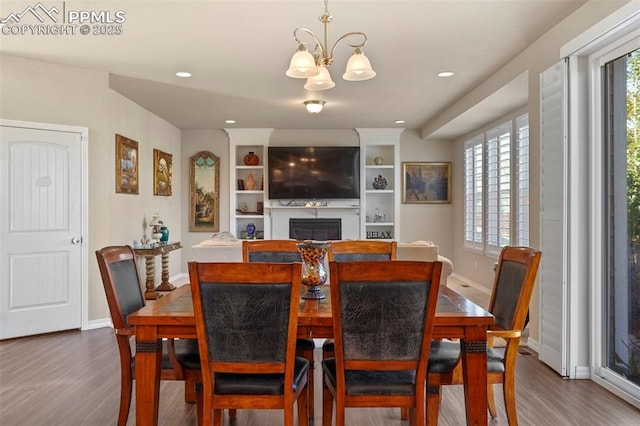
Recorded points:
(99, 323)
(533, 344)
(583, 373)
(470, 283)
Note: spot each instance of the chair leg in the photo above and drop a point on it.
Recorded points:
(126, 386)
(404, 413)
(199, 402)
(190, 389)
(434, 396)
(491, 402)
(339, 413)
(303, 407)
(217, 417)
(308, 355)
(509, 390)
(327, 406)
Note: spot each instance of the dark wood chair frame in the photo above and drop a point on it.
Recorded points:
(172, 367)
(362, 273)
(513, 285)
(257, 273)
(355, 250)
(274, 251)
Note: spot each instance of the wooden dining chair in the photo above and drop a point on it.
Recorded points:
(271, 251)
(383, 317)
(512, 288)
(121, 281)
(357, 250)
(246, 321)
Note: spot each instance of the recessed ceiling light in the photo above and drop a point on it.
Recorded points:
(399, 121)
(445, 74)
(230, 121)
(183, 74)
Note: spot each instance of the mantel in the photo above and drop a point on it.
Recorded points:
(314, 207)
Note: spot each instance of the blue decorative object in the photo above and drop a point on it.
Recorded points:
(165, 234)
(251, 230)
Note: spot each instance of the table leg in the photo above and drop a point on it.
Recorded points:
(474, 368)
(150, 267)
(148, 362)
(165, 285)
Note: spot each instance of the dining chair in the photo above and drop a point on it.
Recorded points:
(514, 280)
(383, 317)
(246, 321)
(123, 289)
(271, 251)
(357, 250)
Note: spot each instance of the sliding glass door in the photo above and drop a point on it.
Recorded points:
(620, 341)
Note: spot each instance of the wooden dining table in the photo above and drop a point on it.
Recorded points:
(171, 316)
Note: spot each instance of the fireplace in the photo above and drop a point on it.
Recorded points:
(315, 229)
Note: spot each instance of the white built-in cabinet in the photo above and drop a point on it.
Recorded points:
(379, 157)
(374, 143)
(241, 142)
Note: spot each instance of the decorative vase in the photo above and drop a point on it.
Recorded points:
(251, 230)
(250, 182)
(378, 160)
(314, 272)
(165, 234)
(379, 182)
(251, 159)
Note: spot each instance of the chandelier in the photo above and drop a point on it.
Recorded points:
(315, 67)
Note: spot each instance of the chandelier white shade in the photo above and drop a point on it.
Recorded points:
(320, 81)
(302, 65)
(315, 67)
(358, 67)
(313, 106)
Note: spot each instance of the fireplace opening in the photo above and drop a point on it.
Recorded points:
(315, 229)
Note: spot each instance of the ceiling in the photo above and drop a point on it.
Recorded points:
(238, 51)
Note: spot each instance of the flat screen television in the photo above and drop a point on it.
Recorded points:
(314, 172)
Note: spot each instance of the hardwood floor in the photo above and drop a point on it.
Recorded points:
(72, 378)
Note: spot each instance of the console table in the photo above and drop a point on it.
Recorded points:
(149, 254)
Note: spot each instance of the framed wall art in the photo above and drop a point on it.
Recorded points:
(162, 169)
(204, 192)
(126, 165)
(426, 183)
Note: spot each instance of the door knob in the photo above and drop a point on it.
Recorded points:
(76, 240)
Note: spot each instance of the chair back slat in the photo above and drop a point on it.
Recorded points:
(270, 251)
(362, 250)
(274, 257)
(383, 310)
(508, 288)
(127, 287)
(121, 282)
(383, 320)
(513, 285)
(246, 322)
(246, 315)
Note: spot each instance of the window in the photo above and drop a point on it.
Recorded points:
(496, 165)
(522, 176)
(473, 193)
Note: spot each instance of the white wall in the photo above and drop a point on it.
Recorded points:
(194, 141)
(49, 93)
(429, 222)
(543, 53)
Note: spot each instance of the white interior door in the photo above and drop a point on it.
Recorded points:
(40, 231)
